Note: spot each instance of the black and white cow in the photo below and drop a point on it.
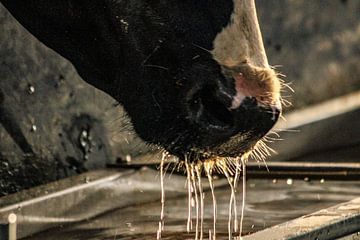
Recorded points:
(192, 74)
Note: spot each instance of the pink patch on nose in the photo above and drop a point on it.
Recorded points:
(242, 91)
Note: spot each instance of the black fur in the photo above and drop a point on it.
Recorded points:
(150, 55)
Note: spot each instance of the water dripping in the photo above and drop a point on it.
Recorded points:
(211, 184)
(188, 179)
(230, 203)
(161, 222)
(201, 195)
(196, 201)
(236, 180)
(243, 198)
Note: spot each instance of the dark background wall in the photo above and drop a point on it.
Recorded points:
(54, 125)
(316, 43)
(52, 122)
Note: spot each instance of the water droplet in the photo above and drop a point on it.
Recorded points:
(289, 181)
(125, 25)
(31, 89)
(33, 128)
(85, 143)
(84, 133)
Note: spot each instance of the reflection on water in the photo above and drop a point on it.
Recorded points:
(268, 203)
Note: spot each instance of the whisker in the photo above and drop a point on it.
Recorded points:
(150, 55)
(156, 66)
(202, 48)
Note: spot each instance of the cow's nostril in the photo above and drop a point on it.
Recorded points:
(210, 110)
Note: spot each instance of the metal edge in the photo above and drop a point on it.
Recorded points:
(327, 224)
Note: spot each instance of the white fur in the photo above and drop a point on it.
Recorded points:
(240, 41)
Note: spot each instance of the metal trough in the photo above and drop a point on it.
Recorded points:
(81, 199)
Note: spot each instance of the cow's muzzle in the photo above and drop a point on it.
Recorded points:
(235, 112)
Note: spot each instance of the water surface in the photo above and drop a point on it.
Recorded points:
(269, 202)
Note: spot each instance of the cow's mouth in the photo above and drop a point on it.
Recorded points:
(221, 131)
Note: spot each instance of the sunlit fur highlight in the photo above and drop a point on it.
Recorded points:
(262, 83)
(241, 39)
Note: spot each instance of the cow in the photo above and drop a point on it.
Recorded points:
(192, 75)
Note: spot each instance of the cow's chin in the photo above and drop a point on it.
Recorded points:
(225, 156)
(213, 162)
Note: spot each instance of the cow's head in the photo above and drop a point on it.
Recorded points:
(204, 87)
(192, 74)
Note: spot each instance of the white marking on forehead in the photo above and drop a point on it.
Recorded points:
(240, 41)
